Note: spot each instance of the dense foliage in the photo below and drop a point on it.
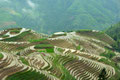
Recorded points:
(1, 56)
(109, 54)
(114, 32)
(57, 15)
(24, 61)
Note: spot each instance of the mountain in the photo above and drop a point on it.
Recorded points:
(75, 55)
(50, 16)
(114, 32)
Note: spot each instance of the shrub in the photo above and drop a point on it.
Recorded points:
(15, 31)
(109, 55)
(4, 36)
(41, 50)
(37, 40)
(78, 47)
(24, 61)
(1, 56)
(20, 47)
(50, 50)
(42, 46)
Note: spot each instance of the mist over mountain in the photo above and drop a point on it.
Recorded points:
(50, 16)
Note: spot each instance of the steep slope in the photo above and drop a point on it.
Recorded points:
(114, 32)
(61, 56)
(58, 15)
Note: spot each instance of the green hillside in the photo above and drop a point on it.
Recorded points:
(114, 32)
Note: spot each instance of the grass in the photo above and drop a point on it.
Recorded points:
(24, 61)
(20, 47)
(78, 47)
(27, 75)
(1, 56)
(65, 73)
(18, 37)
(50, 50)
(59, 49)
(109, 54)
(15, 31)
(4, 36)
(42, 46)
(37, 40)
(18, 53)
(106, 61)
(41, 50)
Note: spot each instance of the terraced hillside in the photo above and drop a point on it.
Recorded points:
(26, 55)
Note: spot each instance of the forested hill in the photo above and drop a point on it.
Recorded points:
(57, 15)
(114, 32)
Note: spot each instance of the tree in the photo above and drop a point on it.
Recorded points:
(102, 75)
